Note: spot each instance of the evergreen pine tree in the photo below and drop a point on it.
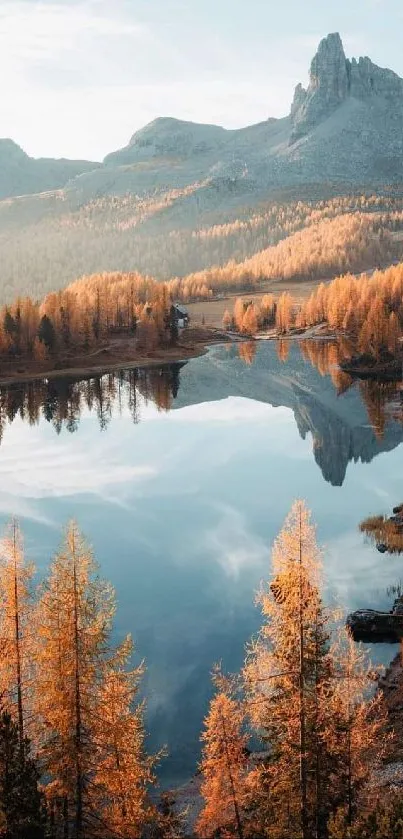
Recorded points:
(21, 813)
(46, 333)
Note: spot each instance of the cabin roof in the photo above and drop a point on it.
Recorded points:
(181, 309)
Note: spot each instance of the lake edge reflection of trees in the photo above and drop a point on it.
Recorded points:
(366, 311)
(60, 401)
(383, 400)
(71, 717)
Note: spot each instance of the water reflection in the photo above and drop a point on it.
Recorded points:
(383, 400)
(385, 531)
(182, 500)
(62, 400)
(348, 420)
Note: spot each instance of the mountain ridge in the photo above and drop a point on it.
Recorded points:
(21, 174)
(345, 127)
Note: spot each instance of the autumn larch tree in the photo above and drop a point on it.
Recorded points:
(357, 735)
(227, 320)
(74, 622)
(224, 769)
(284, 313)
(286, 676)
(16, 628)
(123, 772)
(92, 744)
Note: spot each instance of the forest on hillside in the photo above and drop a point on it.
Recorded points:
(46, 243)
(293, 745)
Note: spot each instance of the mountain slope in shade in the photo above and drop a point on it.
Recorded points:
(21, 174)
(339, 425)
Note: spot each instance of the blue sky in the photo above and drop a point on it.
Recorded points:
(80, 76)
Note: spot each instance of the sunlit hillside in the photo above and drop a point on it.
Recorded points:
(46, 241)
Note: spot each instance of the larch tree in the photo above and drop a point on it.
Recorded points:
(74, 623)
(284, 313)
(16, 628)
(227, 320)
(239, 312)
(287, 674)
(123, 772)
(250, 320)
(357, 735)
(224, 769)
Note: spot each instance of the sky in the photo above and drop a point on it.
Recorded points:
(79, 77)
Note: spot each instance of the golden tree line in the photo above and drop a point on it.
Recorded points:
(86, 314)
(73, 696)
(57, 241)
(368, 310)
(304, 700)
(326, 248)
(124, 233)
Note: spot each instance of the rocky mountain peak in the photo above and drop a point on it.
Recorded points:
(329, 69)
(334, 78)
(328, 86)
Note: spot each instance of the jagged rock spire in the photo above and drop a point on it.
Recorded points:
(333, 78)
(328, 86)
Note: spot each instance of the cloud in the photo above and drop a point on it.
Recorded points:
(34, 467)
(87, 74)
(233, 545)
(39, 31)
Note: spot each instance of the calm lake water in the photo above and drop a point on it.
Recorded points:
(181, 478)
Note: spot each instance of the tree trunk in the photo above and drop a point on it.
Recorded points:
(78, 736)
(349, 755)
(65, 818)
(18, 646)
(302, 732)
(231, 780)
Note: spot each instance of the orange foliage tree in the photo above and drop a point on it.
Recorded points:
(304, 697)
(223, 768)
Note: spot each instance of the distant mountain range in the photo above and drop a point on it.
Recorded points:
(183, 197)
(22, 175)
(346, 127)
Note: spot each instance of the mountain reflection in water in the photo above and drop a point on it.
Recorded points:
(347, 420)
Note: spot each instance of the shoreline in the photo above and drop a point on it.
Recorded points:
(182, 352)
(120, 354)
